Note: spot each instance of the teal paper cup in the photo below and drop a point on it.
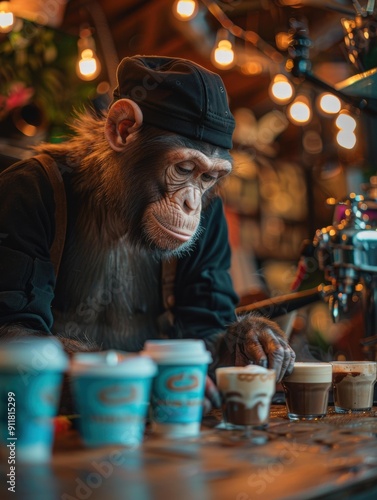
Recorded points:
(178, 388)
(31, 375)
(111, 391)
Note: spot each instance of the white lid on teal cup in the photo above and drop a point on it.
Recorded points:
(112, 363)
(35, 353)
(177, 351)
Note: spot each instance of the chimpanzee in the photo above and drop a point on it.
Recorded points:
(141, 182)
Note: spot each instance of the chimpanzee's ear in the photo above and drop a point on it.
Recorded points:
(123, 119)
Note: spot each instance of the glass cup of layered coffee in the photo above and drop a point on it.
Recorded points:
(353, 385)
(307, 390)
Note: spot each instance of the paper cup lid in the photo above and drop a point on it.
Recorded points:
(112, 363)
(177, 351)
(36, 353)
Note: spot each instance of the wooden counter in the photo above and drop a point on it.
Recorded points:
(333, 458)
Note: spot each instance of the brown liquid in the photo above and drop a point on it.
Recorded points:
(339, 376)
(235, 411)
(353, 391)
(306, 399)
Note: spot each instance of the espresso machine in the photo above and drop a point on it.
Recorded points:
(346, 251)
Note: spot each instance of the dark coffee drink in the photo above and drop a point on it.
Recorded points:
(307, 390)
(307, 400)
(353, 385)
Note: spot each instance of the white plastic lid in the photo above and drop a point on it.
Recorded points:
(36, 353)
(112, 363)
(177, 351)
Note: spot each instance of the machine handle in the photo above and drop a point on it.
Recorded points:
(283, 304)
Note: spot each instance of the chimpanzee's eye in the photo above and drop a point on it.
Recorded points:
(209, 177)
(185, 167)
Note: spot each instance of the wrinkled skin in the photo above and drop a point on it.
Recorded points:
(262, 342)
(253, 340)
(170, 223)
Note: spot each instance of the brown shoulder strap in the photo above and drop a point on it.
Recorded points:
(56, 179)
(166, 320)
(169, 268)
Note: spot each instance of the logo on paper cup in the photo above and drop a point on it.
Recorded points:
(115, 395)
(182, 382)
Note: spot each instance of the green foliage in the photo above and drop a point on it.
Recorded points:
(37, 66)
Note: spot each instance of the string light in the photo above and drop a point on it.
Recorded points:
(346, 137)
(88, 66)
(329, 103)
(281, 89)
(6, 18)
(223, 54)
(299, 112)
(185, 10)
(345, 121)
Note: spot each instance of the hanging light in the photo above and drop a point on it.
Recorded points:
(346, 124)
(223, 54)
(185, 10)
(329, 103)
(6, 17)
(88, 66)
(346, 139)
(345, 121)
(281, 89)
(299, 112)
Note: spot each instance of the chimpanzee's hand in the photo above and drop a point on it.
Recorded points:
(260, 341)
(212, 397)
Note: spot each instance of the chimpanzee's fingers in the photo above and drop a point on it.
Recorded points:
(212, 393)
(270, 351)
(282, 360)
(255, 350)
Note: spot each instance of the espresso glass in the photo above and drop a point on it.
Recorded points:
(246, 395)
(353, 385)
(307, 390)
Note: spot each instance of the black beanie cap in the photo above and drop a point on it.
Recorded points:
(177, 95)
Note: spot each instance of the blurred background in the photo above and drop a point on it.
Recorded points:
(302, 84)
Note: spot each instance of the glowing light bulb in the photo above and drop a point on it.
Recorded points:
(346, 122)
(281, 90)
(88, 66)
(329, 103)
(223, 54)
(6, 18)
(299, 111)
(346, 139)
(185, 10)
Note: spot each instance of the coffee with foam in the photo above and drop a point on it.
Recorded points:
(353, 385)
(310, 373)
(307, 390)
(246, 394)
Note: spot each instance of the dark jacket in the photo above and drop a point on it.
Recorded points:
(205, 300)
